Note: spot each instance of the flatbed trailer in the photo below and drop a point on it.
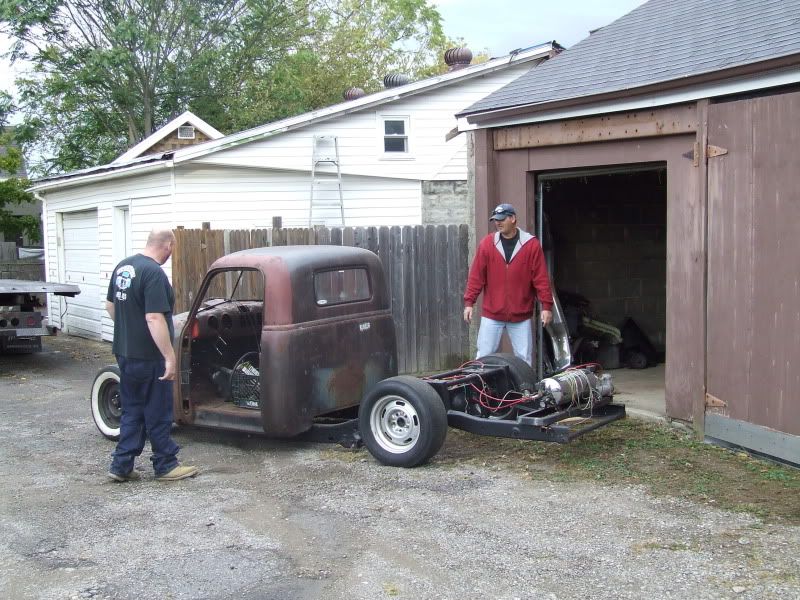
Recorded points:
(22, 319)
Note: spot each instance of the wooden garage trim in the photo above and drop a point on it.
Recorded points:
(676, 120)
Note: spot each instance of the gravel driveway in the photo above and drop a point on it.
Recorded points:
(283, 520)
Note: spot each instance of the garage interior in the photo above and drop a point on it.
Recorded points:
(607, 251)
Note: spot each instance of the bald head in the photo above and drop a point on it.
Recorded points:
(160, 244)
(160, 237)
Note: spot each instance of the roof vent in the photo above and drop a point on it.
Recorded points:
(354, 93)
(457, 58)
(395, 80)
(185, 132)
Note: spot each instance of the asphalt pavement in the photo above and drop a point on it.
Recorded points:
(271, 519)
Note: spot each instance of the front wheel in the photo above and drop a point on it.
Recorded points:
(106, 402)
(403, 421)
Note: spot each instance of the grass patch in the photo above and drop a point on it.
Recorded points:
(669, 462)
(654, 545)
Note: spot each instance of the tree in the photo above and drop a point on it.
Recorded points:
(355, 43)
(106, 73)
(13, 189)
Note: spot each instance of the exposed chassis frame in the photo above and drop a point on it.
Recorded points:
(539, 424)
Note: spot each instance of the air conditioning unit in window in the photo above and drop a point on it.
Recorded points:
(185, 132)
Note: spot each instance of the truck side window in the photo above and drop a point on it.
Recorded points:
(341, 285)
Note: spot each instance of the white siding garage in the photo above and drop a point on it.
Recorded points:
(82, 267)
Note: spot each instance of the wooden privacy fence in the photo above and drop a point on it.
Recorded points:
(11, 267)
(426, 269)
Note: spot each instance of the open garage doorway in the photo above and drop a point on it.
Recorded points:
(605, 235)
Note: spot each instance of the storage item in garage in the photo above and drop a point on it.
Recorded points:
(608, 355)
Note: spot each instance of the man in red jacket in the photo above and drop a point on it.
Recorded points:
(509, 268)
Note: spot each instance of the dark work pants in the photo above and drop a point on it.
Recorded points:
(146, 414)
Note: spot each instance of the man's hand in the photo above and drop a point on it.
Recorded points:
(169, 370)
(157, 324)
(547, 317)
(468, 314)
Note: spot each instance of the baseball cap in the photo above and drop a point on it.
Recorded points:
(502, 211)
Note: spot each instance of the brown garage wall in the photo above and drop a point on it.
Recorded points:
(754, 245)
(509, 178)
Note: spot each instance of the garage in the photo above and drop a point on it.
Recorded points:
(81, 263)
(705, 131)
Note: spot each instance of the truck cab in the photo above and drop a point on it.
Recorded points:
(279, 336)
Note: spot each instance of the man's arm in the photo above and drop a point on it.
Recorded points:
(157, 324)
(110, 309)
(475, 283)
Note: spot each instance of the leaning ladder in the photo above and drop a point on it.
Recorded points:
(325, 152)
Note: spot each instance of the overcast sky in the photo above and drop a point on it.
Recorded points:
(498, 26)
(501, 26)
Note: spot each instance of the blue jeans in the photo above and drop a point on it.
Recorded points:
(146, 413)
(520, 334)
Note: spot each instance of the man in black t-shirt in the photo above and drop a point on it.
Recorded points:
(140, 301)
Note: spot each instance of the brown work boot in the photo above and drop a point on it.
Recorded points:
(178, 473)
(132, 476)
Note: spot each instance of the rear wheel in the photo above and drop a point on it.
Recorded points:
(403, 421)
(523, 377)
(106, 402)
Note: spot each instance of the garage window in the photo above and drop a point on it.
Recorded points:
(394, 132)
(340, 286)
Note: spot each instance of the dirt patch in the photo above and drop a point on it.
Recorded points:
(669, 461)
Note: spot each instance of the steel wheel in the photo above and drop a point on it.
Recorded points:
(403, 421)
(106, 402)
(110, 404)
(394, 424)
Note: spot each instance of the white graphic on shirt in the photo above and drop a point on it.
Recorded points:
(125, 275)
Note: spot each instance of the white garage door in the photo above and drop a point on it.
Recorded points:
(82, 267)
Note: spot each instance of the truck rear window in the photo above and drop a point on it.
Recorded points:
(342, 285)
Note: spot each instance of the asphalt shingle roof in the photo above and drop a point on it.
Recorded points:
(660, 41)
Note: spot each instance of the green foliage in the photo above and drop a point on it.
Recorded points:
(107, 73)
(13, 189)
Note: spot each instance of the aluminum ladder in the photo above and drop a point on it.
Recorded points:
(325, 152)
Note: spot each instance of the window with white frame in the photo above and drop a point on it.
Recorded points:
(395, 135)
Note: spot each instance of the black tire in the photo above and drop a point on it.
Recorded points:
(105, 401)
(403, 421)
(523, 377)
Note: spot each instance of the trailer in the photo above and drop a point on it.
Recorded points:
(22, 319)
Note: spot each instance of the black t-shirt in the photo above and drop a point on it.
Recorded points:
(509, 244)
(139, 286)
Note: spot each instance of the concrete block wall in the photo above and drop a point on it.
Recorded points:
(609, 235)
(446, 203)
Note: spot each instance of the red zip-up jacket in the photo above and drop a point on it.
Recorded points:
(509, 289)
